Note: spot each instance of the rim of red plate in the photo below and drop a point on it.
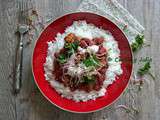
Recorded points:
(72, 111)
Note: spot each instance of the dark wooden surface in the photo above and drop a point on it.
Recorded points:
(31, 105)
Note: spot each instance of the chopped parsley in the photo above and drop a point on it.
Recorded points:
(91, 61)
(89, 79)
(73, 45)
(62, 59)
(139, 40)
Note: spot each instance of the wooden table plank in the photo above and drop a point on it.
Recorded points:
(7, 48)
(31, 105)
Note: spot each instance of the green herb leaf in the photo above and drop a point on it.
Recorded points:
(134, 46)
(75, 45)
(91, 61)
(89, 79)
(95, 59)
(145, 69)
(139, 40)
(68, 45)
(62, 58)
(88, 62)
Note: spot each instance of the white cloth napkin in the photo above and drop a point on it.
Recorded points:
(114, 11)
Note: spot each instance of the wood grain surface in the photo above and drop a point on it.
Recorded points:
(31, 105)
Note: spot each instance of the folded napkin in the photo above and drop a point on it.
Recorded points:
(112, 10)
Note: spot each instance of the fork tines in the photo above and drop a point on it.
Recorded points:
(23, 11)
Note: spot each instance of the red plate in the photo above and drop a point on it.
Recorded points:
(40, 52)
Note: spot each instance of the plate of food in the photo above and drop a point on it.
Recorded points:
(82, 62)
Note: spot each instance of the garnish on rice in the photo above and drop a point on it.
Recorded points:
(81, 64)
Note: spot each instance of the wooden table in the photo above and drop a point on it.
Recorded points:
(31, 105)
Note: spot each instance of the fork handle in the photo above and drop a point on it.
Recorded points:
(19, 62)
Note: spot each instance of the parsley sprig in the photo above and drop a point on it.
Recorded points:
(145, 70)
(139, 40)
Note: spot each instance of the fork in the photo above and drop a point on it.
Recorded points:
(22, 29)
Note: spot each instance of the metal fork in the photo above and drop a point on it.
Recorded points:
(22, 29)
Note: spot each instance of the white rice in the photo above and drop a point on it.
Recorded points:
(81, 28)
